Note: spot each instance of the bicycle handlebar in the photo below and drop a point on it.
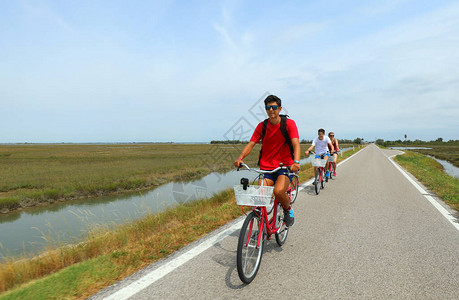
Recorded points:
(264, 171)
(312, 152)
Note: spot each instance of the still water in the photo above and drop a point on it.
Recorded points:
(27, 232)
(408, 148)
(449, 168)
(24, 232)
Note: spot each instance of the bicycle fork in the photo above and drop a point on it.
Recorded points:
(260, 233)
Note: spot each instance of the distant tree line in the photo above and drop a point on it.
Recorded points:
(228, 142)
(303, 141)
(438, 141)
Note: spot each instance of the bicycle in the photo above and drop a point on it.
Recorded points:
(258, 226)
(319, 176)
(331, 168)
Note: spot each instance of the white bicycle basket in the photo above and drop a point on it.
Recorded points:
(319, 162)
(254, 195)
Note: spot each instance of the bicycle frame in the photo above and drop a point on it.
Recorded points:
(331, 163)
(259, 225)
(321, 170)
(262, 212)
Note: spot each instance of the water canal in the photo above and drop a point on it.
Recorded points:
(28, 231)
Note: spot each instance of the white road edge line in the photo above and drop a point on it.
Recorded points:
(156, 274)
(160, 272)
(437, 205)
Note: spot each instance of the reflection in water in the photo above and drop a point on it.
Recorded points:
(408, 148)
(449, 168)
(28, 231)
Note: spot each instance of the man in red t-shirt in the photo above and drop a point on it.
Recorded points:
(276, 150)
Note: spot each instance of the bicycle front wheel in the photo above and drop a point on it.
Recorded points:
(281, 234)
(293, 189)
(248, 253)
(322, 182)
(317, 181)
(269, 208)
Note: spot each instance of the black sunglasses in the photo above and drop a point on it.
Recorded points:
(274, 107)
(331, 135)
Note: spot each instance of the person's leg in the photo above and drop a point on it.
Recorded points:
(280, 189)
(267, 182)
(326, 165)
(334, 163)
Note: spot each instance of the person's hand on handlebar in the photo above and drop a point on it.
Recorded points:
(306, 152)
(238, 162)
(295, 167)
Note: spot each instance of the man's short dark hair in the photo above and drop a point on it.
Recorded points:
(272, 98)
(321, 130)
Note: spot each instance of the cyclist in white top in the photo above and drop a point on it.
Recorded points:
(321, 144)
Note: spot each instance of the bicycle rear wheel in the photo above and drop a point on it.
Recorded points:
(248, 254)
(317, 181)
(293, 189)
(281, 234)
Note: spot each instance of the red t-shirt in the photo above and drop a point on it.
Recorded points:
(275, 149)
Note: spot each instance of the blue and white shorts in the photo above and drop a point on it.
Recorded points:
(274, 176)
(322, 156)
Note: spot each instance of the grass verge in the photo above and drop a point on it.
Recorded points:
(107, 256)
(431, 174)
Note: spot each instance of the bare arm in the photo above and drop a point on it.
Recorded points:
(246, 151)
(309, 149)
(337, 145)
(296, 154)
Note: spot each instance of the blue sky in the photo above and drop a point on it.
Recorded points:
(183, 71)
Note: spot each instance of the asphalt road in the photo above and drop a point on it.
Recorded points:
(370, 234)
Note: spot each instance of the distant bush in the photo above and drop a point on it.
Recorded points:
(437, 142)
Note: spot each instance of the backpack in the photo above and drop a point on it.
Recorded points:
(283, 128)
